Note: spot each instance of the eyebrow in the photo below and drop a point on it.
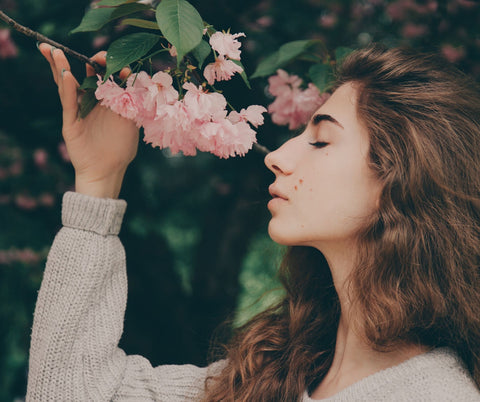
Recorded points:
(318, 118)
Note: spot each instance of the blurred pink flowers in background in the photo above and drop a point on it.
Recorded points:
(453, 54)
(62, 150)
(293, 106)
(7, 46)
(14, 255)
(40, 157)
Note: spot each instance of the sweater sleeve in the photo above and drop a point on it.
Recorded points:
(78, 320)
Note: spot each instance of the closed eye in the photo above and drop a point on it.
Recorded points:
(319, 144)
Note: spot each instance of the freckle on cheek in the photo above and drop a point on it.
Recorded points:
(300, 181)
(296, 188)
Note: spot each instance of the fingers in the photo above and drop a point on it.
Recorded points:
(66, 82)
(100, 58)
(47, 52)
(68, 97)
(124, 73)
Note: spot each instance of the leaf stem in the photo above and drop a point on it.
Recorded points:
(152, 54)
(43, 39)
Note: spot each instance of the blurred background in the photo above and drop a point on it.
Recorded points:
(195, 234)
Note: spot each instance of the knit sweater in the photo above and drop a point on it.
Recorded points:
(78, 322)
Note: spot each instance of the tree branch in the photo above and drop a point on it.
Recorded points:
(98, 68)
(42, 38)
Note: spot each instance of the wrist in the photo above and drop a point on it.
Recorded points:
(108, 187)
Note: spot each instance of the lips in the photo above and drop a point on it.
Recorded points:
(276, 193)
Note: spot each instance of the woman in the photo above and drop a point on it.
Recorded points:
(379, 198)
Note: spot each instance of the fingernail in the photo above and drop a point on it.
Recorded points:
(63, 70)
(51, 50)
(38, 45)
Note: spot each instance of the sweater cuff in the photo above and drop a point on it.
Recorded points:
(100, 215)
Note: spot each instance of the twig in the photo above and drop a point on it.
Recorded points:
(41, 38)
(260, 149)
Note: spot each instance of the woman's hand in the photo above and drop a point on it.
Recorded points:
(102, 144)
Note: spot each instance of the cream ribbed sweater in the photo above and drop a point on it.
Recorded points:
(74, 354)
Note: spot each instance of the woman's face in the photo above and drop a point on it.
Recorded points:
(323, 186)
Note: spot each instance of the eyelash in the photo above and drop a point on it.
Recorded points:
(319, 144)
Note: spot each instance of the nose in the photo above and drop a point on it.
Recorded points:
(281, 161)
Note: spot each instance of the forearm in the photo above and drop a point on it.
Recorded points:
(79, 313)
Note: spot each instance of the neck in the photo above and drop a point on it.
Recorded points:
(354, 359)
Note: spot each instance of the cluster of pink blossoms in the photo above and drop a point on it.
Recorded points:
(228, 48)
(293, 105)
(197, 121)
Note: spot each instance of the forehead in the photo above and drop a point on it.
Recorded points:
(344, 98)
(342, 106)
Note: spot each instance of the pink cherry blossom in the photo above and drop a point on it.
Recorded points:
(7, 46)
(253, 114)
(203, 106)
(221, 70)
(225, 139)
(226, 44)
(165, 92)
(282, 81)
(124, 102)
(171, 129)
(138, 85)
(107, 91)
(126, 105)
(292, 105)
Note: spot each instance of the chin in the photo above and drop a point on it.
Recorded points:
(280, 237)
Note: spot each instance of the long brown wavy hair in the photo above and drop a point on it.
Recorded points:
(419, 254)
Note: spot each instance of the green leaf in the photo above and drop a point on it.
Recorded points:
(201, 52)
(127, 9)
(87, 103)
(282, 56)
(267, 66)
(89, 83)
(181, 24)
(94, 19)
(128, 49)
(341, 53)
(243, 74)
(137, 22)
(322, 76)
(114, 3)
